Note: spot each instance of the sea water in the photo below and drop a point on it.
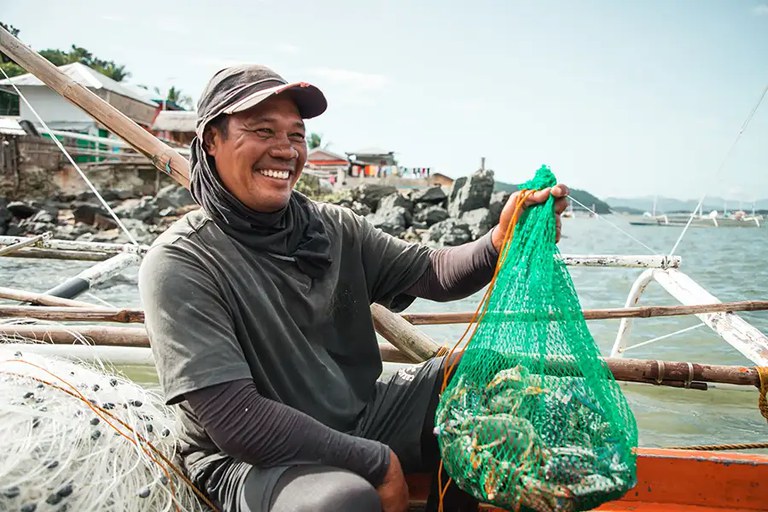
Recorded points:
(729, 262)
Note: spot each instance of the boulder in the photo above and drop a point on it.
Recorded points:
(449, 232)
(43, 216)
(174, 196)
(14, 230)
(5, 214)
(479, 221)
(144, 209)
(396, 199)
(498, 200)
(391, 220)
(21, 210)
(86, 212)
(70, 231)
(370, 194)
(430, 215)
(474, 193)
(432, 195)
(359, 208)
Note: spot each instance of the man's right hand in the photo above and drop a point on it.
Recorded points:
(393, 491)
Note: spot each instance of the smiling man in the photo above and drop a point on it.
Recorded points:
(257, 306)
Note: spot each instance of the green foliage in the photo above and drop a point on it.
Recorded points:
(315, 140)
(116, 72)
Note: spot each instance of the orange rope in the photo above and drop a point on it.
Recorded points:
(477, 317)
(104, 415)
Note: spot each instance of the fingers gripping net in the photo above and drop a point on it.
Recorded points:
(532, 418)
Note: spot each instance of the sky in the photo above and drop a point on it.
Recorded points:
(621, 98)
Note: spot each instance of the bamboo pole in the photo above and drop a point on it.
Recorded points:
(58, 254)
(76, 314)
(169, 161)
(123, 315)
(163, 157)
(602, 314)
(5, 251)
(666, 373)
(42, 299)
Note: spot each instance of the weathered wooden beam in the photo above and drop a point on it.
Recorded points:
(69, 314)
(10, 249)
(403, 335)
(602, 314)
(137, 316)
(742, 336)
(667, 373)
(58, 254)
(42, 299)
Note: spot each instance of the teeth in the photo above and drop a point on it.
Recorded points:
(271, 173)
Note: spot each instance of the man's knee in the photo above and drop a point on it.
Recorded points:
(325, 489)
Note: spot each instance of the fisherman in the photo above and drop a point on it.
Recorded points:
(257, 307)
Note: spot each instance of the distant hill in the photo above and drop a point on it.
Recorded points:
(669, 205)
(582, 196)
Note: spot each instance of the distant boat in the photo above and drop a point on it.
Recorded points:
(738, 219)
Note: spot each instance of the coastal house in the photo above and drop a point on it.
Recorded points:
(175, 126)
(60, 114)
(375, 162)
(324, 160)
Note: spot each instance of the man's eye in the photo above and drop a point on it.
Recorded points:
(299, 137)
(265, 132)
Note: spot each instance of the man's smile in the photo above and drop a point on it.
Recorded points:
(275, 173)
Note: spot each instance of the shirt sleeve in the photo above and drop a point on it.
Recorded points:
(457, 272)
(264, 433)
(188, 322)
(391, 265)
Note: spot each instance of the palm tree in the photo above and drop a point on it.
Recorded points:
(176, 96)
(315, 140)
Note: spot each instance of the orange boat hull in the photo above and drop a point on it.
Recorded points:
(679, 481)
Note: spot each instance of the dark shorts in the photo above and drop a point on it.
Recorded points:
(396, 417)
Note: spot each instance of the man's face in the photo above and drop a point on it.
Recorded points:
(263, 153)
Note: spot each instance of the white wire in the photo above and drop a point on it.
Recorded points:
(71, 160)
(653, 251)
(99, 299)
(722, 165)
(659, 338)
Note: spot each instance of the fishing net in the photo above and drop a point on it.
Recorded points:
(532, 418)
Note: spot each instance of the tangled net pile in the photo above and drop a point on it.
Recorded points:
(533, 418)
(81, 438)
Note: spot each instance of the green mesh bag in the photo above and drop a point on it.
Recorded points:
(532, 418)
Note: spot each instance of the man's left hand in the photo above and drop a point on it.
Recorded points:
(559, 191)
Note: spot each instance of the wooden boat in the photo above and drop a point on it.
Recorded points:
(675, 481)
(668, 480)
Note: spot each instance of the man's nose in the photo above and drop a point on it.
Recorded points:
(282, 148)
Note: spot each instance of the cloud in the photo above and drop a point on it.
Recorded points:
(289, 48)
(760, 10)
(353, 79)
(112, 17)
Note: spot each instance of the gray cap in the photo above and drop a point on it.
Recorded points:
(239, 88)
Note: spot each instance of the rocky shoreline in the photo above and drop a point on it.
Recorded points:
(430, 216)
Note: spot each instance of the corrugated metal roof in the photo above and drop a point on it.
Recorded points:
(175, 121)
(11, 126)
(323, 154)
(84, 76)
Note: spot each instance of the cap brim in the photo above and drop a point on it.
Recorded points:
(309, 99)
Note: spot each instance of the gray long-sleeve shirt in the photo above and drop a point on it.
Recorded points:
(262, 432)
(219, 312)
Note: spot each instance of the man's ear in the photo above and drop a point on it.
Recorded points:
(210, 139)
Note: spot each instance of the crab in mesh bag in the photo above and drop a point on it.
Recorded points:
(532, 418)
